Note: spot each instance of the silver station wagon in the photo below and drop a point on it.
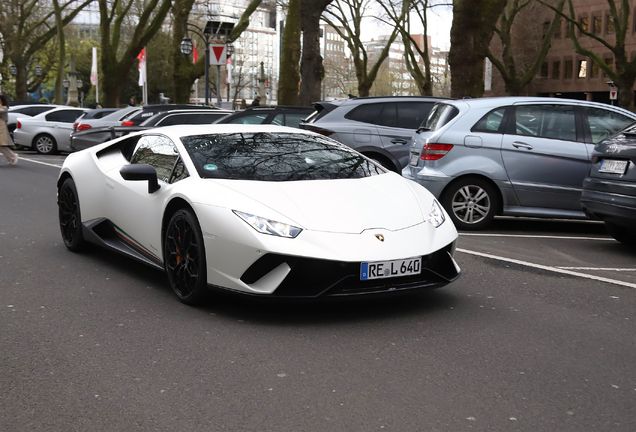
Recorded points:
(514, 156)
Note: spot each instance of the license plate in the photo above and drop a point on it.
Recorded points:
(415, 158)
(613, 166)
(387, 269)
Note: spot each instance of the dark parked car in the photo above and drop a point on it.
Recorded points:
(609, 191)
(150, 116)
(380, 128)
(189, 116)
(277, 115)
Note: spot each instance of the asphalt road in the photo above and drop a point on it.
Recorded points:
(536, 335)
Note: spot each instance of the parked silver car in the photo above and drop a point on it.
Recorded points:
(48, 132)
(515, 156)
(380, 128)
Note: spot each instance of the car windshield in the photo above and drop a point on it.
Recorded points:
(275, 157)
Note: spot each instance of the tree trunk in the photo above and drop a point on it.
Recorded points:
(626, 92)
(290, 55)
(312, 70)
(59, 78)
(473, 26)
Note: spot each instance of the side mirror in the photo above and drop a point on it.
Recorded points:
(135, 172)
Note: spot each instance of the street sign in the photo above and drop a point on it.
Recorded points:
(613, 94)
(218, 54)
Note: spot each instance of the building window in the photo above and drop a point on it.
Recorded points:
(569, 69)
(595, 70)
(544, 70)
(557, 30)
(609, 25)
(598, 25)
(585, 24)
(610, 63)
(582, 68)
(556, 70)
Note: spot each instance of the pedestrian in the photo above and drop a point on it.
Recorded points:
(5, 139)
(257, 101)
(132, 102)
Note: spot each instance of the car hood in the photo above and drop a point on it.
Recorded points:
(344, 206)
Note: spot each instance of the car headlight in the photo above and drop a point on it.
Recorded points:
(268, 226)
(436, 215)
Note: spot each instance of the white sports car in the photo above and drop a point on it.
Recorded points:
(261, 210)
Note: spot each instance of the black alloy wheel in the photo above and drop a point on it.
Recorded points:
(184, 256)
(471, 203)
(70, 216)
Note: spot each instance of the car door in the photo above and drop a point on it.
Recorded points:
(544, 155)
(136, 213)
(397, 124)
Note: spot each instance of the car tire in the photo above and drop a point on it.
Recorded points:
(45, 144)
(184, 257)
(471, 203)
(621, 234)
(70, 217)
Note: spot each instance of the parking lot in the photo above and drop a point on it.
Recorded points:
(537, 334)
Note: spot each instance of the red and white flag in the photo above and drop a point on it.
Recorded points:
(195, 54)
(142, 67)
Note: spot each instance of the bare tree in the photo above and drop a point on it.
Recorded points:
(346, 16)
(26, 28)
(473, 25)
(185, 72)
(516, 78)
(290, 56)
(312, 70)
(625, 74)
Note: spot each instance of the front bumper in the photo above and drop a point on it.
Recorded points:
(313, 278)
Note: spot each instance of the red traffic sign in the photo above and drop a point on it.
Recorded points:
(218, 54)
(613, 94)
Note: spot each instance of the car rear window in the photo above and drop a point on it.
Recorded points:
(439, 116)
(275, 157)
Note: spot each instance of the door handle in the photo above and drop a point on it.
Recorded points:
(399, 141)
(518, 144)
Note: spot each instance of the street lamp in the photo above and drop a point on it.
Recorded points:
(66, 83)
(186, 45)
(13, 69)
(80, 83)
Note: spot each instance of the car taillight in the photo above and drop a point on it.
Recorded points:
(83, 127)
(127, 123)
(434, 152)
(75, 126)
(19, 125)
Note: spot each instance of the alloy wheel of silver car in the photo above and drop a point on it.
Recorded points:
(44, 144)
(471, 203)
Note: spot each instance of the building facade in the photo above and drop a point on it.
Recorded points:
(564, 72)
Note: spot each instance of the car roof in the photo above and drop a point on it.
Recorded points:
(493, 102)
(12, 107)
(60, 108)
(178, 131)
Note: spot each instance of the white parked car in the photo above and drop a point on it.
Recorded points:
(262, 210)
(48, 132)
(16, 111)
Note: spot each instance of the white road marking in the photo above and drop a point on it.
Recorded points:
(599, 269)
(548, 268)
(39, 162)
(537, 236)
